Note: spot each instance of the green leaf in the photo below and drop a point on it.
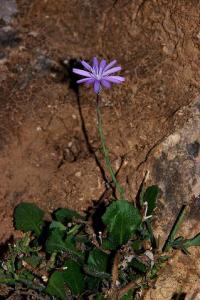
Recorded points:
(150, 197)
(122, 219)
(177, 243)
(128, 296)
(92, 283)
(33, 260)
(74, 230)
(195, 241)
(26, 275)
(56, 243)
(138, 265)
(6, 279)
(151, 235)
(58, 225)
(65, 215)
(28, 217)
(137, 245)
(97, 264)
(98, 260)
(55, 285)
(163, 258)
(184, 244)
(109, 243)
(70, 248)
(73, 277)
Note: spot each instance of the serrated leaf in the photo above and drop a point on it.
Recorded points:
(122, 219)
(73, 277)
(55, 285)
(65, 215)
(29, 217)
(150, 197)
(98, 260)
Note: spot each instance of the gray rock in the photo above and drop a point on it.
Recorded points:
(44, 63)
(2, 56)
(175, 166)
(8, 8)
(193, 149)
(8, 37)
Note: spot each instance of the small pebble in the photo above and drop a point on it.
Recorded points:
(78, 174)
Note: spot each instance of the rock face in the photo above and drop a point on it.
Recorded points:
(175, 167)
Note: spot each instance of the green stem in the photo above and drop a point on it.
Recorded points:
(175, 228)
(106, 152)
(152, 237)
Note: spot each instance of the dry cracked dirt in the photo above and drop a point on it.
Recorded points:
(48, 136)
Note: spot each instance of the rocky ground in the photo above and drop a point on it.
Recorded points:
(48, 136)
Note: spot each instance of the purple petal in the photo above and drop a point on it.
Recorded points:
(82, 73)
(111, 64)
(86, 65)
(114, 79)
(110, 71)
(102, 66)
(97, 86)
(105, 83)
(86, 80)
(90, 81)
(95, 64)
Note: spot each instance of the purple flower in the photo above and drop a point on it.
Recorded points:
(100, 74)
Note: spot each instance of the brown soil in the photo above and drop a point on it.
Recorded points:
(44, 154)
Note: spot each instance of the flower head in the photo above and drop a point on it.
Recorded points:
(99, 74)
